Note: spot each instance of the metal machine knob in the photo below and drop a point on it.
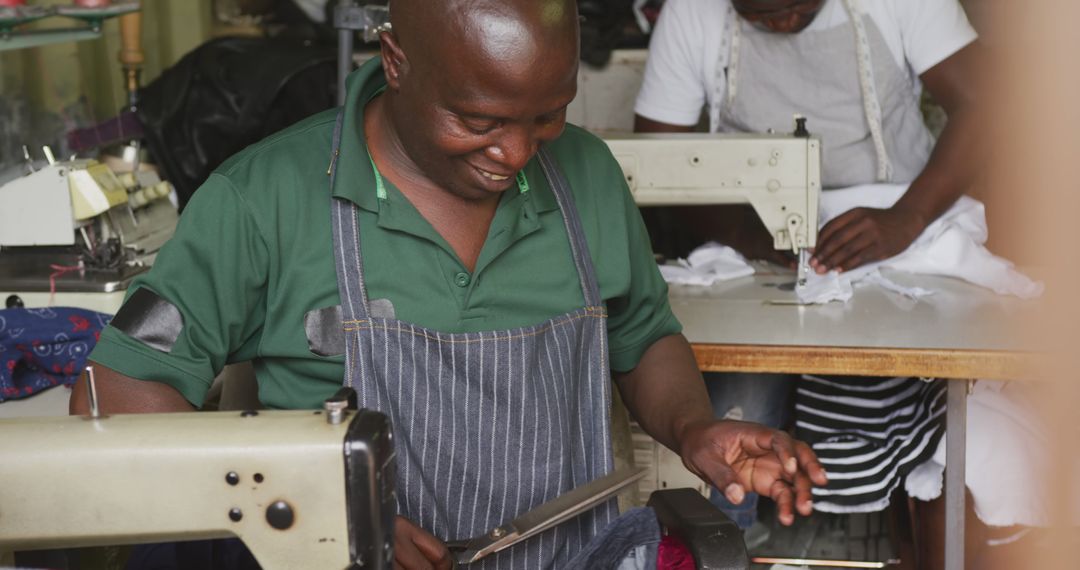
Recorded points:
(338, 404)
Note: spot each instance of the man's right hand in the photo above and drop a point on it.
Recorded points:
(416, 549)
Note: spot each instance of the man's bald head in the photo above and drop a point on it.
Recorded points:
(514, 34)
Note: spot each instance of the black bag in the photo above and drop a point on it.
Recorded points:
(227, 94)
(602, 28)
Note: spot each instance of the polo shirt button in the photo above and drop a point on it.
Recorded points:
(462, 279)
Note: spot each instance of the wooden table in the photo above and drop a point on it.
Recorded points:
(962, 332)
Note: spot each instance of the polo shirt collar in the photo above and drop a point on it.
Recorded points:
(355, 178)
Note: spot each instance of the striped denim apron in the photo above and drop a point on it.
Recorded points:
(489, 424)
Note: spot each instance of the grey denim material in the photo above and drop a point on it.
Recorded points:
(325, 333)
(632, 542)
(323, 330)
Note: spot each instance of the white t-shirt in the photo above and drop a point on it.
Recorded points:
(680, 76)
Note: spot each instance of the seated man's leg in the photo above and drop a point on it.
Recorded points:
(759, 398)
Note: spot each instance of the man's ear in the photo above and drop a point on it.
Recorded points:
(395, 64)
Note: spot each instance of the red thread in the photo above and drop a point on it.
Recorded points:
(59, 270)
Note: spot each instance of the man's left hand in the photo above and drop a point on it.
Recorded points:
(864, 235)
(738, 457)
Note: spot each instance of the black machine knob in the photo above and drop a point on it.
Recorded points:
(14, 302)
(280, 515)
(800, 127)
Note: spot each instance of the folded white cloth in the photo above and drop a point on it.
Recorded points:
(953, 246)
(706, 265)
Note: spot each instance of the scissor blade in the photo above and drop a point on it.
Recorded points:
(575, 502)
(558, 510)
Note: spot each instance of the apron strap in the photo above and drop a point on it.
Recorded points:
(578, 245)
(346, 235)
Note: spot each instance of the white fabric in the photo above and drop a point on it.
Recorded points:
(1007, 459)
(953, 246)
(688, 45)
(706, 265)
(825, 288)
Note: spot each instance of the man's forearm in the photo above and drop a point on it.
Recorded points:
(119, 394)
(957, 84)
(666, 393)
(950, 172)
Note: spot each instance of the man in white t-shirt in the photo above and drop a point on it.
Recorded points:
(750, 65)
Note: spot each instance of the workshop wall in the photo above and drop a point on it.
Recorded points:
(45, 91)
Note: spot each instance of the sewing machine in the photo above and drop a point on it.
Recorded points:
(84, 202)
(302, 489)
(778, 174)
(78, 227)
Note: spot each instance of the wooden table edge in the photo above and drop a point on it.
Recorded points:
(862, 361)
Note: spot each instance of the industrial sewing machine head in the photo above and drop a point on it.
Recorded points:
(80, 214)
(84, 203)
(778, 174)
(301, 489)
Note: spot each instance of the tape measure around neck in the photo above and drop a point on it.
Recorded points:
(871, 103)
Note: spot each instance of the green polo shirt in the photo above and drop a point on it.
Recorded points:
(253, 255)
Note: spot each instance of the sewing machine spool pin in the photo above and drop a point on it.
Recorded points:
(91, 392)
(29, 160)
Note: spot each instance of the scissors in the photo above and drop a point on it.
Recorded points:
(556, 511)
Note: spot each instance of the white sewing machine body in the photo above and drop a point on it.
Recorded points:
(300, 490)
(55, 205)
(105, 227)
(779, 175)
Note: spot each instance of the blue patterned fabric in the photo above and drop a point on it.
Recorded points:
(42, 348)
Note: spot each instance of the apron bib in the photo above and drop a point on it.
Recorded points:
(871, 126)
(489, 424)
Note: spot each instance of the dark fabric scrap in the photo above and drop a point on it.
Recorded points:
(150, 319)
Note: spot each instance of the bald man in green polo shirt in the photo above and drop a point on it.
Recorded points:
(475, 267)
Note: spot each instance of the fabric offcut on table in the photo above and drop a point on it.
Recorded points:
(708, 264)
(42, 348)
(952, 246)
